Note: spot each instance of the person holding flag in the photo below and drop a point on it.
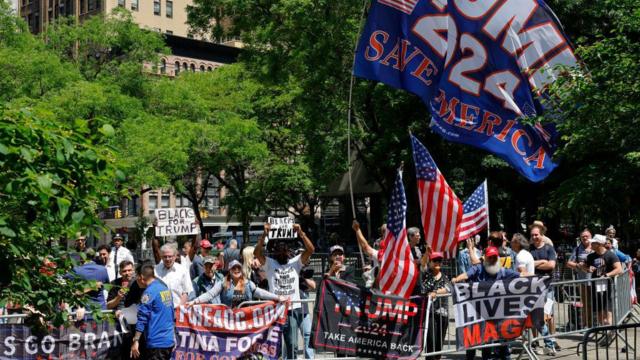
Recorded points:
(398, 271)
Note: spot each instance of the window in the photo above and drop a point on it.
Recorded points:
(182, 201)
(132, 206)
(176, 68)
(185, 67)
(153, 200)
(209, 68)
(165, 201)
(202, 68)
(212, 199)
(122, 3)
(163, 66)
(134, 5)
(156, 7)
(193, 68)
(169, 11)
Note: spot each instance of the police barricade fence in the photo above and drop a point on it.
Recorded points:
(576, 306)
(623, 346)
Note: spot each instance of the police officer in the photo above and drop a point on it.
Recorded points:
(156, 319)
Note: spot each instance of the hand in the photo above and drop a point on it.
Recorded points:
(470, 244)
(282, 298)
(455, 280)
(183, 299)
(337, 265)
(190, 303)
(429, 249)
(296, 228)
(118, 313)
(592, 269)
(122, 293)
(433, 295)
(267, 228)
(135, 353)
(355, 225)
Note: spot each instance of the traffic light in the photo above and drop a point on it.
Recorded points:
(204, 214)
(118, 214)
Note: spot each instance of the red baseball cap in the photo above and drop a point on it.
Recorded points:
(436, 255)
(491, 251)
(204, 243)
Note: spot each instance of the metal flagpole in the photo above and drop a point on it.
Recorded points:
(349, 168)
(486, 196)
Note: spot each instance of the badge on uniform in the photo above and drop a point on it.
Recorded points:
(145, 299)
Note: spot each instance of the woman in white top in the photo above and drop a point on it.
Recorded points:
(524, 259)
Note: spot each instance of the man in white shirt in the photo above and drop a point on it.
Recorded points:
(119, 253)
(524, 259)
(174, 275)
(104, 252)
(283, 275)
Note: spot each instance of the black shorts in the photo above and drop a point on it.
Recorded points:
(600, 300)
(158, 354)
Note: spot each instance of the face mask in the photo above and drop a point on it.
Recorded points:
(492, 269)
(282, 258)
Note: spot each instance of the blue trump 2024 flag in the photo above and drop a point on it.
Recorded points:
(480, 67)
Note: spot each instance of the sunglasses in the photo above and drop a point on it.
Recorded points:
(436, 260)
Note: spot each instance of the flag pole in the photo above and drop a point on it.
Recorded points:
(349, 113)
(486, 196)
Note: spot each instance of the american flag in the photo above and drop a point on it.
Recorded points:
(398, 272)
(440, 207)
(406, 6)
(476, 213)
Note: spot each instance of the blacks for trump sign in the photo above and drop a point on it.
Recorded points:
(219, 332)
(356, 321)
(176, 221)
(80, 340)
(490, 312)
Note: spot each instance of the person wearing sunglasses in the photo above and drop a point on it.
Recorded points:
(435, 283)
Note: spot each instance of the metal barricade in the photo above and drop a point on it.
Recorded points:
(624, 344)
(622, 299)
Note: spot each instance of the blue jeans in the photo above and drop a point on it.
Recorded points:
(306, 333)
(290, 333)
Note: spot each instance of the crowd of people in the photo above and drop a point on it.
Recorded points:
(201, 273)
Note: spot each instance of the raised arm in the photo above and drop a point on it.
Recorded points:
(258, 252)
(364, 245)
(308, 245)
(209, 295)
(472, 252)
(155, 245)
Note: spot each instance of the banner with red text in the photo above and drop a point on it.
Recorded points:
(356, 321)
(219, 332)
(489, 312)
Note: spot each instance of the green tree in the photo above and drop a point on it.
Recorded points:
(53, 178)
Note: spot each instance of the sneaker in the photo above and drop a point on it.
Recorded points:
(557, 347)
(549, 351)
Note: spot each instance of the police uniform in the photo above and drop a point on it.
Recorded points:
(156, 320)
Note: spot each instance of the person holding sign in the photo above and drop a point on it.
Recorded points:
(283, 276)
(235, 289)
(489, 270)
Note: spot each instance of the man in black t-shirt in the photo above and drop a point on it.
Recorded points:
(604, 264)
(544, 262)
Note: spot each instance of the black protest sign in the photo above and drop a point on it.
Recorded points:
(281, 228)
(82, 340)
(176, 221)
(497, 311)
(355, 321)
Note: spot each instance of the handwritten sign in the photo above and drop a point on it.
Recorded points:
(176, 221)
(281, 228)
